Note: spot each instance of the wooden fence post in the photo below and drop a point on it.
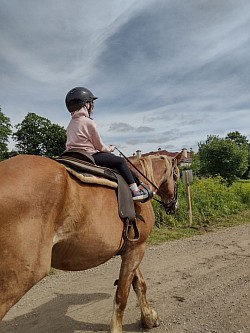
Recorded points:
(187, 176)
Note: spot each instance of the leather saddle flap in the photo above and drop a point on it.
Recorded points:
(125, 201)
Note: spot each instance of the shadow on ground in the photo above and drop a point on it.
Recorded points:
(54, 316)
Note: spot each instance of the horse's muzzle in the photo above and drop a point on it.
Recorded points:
(171, 207)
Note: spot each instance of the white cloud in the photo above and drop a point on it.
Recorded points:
(166, 73)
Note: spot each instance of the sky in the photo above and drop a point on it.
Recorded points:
(167, 73)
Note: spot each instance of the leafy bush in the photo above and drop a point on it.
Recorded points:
(242, 190)
(210, 197)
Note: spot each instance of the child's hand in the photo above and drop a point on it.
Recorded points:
(111, 148)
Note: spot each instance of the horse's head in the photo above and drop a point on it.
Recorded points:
(167, 186)
(162, 173)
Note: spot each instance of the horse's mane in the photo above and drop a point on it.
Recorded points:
(147, 167)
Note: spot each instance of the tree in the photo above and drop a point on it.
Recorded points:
(222, 157)
(5, 132)
(56, 139)
(195, 165)
(240, 140)
(38, 136)
(243, 143)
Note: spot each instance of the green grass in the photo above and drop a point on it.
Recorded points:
(215, 205)
(165, 233)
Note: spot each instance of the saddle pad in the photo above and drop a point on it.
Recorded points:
(92, 179)
(85, 167)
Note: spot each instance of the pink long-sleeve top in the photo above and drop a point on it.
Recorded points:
(82, 133)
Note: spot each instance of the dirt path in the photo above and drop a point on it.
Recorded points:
(197, 285)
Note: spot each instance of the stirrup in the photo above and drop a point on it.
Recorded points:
(140, 196)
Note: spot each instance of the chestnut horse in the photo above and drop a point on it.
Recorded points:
(49, 218)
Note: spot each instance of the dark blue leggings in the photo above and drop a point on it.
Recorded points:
(112, 161)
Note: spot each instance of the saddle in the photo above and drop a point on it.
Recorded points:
(82, 162)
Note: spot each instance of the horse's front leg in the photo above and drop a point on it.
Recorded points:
(131, 259)
(149, 317)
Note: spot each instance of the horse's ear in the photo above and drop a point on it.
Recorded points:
(178, 156)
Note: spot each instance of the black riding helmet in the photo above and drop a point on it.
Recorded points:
(77, 97)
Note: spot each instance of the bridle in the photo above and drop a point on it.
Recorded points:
(171, 205)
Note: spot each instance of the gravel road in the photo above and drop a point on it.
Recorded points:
(198, 285)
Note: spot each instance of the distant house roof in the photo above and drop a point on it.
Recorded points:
(163, 152)
(182, 157)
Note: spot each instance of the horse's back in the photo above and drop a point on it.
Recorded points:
(29, 170)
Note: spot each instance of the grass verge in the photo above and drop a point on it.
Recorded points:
(165, 234)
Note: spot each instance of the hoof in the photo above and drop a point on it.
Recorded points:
(151, 320)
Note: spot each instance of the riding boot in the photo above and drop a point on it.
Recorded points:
(145, 188)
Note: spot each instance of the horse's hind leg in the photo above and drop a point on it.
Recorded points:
(121, 296)
(131, 259)
(129, 272)
(24, 262)
(149, 317)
